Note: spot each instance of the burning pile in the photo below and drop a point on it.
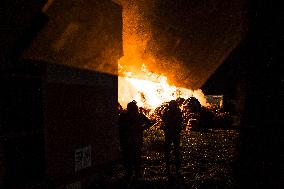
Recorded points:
(135, 82)
(152, 93)
(150, 90)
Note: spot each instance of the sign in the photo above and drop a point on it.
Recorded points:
(75, 185)
(83, 158)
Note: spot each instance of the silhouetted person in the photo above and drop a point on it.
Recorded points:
(131, 126)
(191, 109)
(206, 119)
(193, 105)
(172, 119)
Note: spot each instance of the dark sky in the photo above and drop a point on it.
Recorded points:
(188, 37)
(199, 34)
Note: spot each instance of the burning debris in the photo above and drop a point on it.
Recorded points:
(150, 89)
(195, 116)
(152, 94)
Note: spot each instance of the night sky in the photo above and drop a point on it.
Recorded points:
(191, 38)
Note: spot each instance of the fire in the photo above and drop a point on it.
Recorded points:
(135, 81)
(150, 89)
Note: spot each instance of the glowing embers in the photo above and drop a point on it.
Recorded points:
(151, 89)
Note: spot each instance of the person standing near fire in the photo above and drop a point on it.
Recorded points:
(173, 124)
(131, 127)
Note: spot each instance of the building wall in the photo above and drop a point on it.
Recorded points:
(85, 34)
(17, 18)
(79, 112)
(76, 49)
(21, 130)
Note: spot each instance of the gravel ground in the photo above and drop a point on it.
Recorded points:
(207, 159)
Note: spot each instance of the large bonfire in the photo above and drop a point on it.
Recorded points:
(140, 74)
(150, 90)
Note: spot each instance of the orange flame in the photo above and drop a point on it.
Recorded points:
(135, 81)
(150, 89)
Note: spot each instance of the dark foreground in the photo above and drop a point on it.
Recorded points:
(207, 160)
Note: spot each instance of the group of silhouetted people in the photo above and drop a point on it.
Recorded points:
(131, 127)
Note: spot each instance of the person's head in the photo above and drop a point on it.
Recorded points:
(173, 104)
(132, 107)
(180, 100)
(193, 104)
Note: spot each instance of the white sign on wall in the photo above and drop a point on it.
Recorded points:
(75, 185)
(83, 158)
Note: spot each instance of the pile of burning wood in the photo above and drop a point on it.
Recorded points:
(195, 116)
